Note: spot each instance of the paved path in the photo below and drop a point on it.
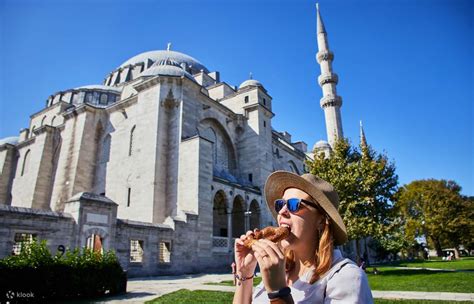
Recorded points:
(144, 289)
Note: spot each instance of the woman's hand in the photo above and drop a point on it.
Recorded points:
(245, 261)
(272, 264)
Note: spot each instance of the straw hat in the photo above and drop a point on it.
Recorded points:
(320, 190)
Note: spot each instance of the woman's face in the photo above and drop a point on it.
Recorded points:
(303, 223)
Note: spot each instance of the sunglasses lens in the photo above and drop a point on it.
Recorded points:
(279, 203)
(293, 204)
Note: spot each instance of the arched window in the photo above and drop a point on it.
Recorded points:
(103, 99)
(32, 131)
(26, 161)
(94, 242)
(43, 120)
(130, 147)
(210, 135)
(89, 97)
(52, 120)
(219, 217)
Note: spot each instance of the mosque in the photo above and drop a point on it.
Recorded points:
(164, 162)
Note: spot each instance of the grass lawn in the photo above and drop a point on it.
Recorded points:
(184, 296)
(466, 263)
(390, 278)
(421, 280)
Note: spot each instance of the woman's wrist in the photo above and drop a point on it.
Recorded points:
(240, 279)
(244, 272)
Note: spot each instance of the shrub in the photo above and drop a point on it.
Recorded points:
(75, 274)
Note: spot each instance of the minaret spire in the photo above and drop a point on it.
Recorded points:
(320, 25)
(363, 141)
(331, 102)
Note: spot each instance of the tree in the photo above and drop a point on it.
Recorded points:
(366, 183)
(436, 210)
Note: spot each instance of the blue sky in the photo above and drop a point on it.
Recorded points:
(405, 67)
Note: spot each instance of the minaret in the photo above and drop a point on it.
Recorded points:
(363, 141)
(331, 102)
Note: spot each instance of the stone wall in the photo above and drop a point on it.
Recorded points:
(55, 227)
(86, 214)
(8, 163)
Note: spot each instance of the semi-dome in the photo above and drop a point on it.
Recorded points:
(96, 94)
(157, 56)
(12, 140)
(166, 70)
(250, 82)
(99, 87)
(166, 67)
(321, 145)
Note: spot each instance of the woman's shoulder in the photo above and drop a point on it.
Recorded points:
(348, 283)
(345, 268)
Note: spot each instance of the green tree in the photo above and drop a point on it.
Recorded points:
(436, 210)
(467, 226)
(366, 183)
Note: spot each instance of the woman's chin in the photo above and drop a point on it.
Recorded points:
(286, 243)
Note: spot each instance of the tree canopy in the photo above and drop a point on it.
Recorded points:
(366, 183)
(436, 210)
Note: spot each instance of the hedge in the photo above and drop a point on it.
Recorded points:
(36, 275)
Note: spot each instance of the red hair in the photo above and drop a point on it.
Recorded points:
(322, 260)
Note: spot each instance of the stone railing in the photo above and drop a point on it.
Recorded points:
(220, 244)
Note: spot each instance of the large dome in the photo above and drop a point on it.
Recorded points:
(160, 55)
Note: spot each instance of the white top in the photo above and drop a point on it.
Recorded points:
(343, 283)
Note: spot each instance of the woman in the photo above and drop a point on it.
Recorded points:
(305, 267)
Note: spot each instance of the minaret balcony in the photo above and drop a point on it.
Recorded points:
(324, 55)
(330, 101)
(328, 78)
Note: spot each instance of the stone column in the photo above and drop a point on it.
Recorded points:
(230, 244)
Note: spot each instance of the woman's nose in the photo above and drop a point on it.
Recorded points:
(284, 211)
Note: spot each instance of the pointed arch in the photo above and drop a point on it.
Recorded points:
(26, 161)
(52, 120)
(292, 167)
(224, 152)
(238, 217)
(219, 214)
(43, 120)
(130, 146)
(254, 215)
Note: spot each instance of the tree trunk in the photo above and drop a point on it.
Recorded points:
(357, 251)
(456, 253)
(366, 254)
(437, 244)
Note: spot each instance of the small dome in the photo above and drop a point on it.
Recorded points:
(250, 82)
(321, 145)
(12, 140)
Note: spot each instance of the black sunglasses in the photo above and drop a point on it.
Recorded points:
(292, 204)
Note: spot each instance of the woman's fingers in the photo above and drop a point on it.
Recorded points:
(266, 252)
(275, 248)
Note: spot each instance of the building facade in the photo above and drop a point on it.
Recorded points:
(164, 163)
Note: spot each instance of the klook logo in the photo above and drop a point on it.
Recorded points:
(10, 294)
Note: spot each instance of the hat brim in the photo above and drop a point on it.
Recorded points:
(279, 181)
